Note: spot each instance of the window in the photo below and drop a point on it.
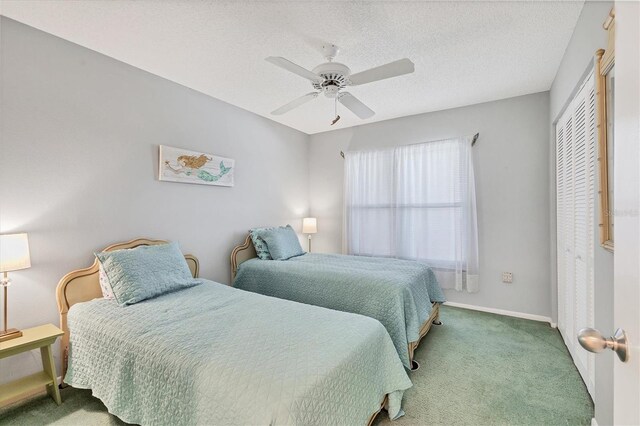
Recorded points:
(415, 202)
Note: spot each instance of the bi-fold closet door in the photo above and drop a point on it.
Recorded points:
(575, 180)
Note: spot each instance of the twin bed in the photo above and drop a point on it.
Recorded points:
(212, 354)
(403, 295)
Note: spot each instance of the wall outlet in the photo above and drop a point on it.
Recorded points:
(507, 277)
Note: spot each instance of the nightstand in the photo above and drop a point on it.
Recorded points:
(33, 338)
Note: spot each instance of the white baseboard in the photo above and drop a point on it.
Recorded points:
(594, 422)
(503, 312)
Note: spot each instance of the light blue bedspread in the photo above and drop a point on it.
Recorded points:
(212, 354)
(398, 293)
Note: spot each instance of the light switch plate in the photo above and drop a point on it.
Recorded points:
(507, 277)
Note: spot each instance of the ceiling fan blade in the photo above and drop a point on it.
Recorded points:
(357, 107)
(392, 69)
(296, 69)
(295, 103)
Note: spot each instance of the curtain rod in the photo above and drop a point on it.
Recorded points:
(473, 142)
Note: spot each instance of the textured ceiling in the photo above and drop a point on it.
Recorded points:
(464, 52)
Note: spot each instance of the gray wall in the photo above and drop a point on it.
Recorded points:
(78, 168)
(588, 37)
(512, 180)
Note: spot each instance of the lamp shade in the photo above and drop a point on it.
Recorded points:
(14, 252)
(309, 225)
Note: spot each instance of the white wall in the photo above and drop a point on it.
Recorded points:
(587, 37)
(78, 168)
(512, 174)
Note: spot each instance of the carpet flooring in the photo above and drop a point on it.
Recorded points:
(476, 369)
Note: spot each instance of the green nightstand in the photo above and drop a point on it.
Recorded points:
(33, 338)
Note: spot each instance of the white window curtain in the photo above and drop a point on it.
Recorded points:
(415, 202)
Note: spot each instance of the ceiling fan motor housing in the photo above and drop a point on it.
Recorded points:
(336, 77)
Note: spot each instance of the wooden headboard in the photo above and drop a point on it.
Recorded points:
(83, 285)
(241, 253)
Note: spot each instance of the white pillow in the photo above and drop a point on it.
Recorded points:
(105, 285)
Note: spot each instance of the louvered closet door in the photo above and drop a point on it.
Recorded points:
(575, 177)
(561, 222)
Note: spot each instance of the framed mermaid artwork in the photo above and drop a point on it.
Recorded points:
(181, 165)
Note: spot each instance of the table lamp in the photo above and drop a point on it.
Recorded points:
(14, 255)
(309, 226)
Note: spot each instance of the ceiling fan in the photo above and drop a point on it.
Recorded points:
(331, 78)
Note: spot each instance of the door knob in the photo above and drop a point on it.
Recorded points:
(593, 341)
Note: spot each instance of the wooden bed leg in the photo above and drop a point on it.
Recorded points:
(65, 361)
(436, 320)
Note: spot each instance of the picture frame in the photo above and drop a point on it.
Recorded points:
(605, 83)
(184, 166)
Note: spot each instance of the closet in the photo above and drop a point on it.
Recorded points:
(575, 179)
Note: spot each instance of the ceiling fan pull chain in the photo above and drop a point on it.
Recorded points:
(335, 120)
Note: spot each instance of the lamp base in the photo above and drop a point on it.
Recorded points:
(11, 333)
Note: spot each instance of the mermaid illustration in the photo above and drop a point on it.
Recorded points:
(189, 164)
